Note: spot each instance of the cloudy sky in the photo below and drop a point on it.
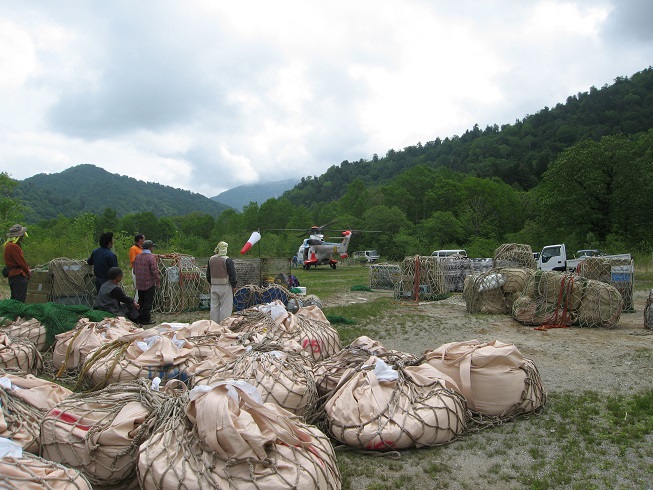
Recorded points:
(207, 95)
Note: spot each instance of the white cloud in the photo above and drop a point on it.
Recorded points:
(208, 95)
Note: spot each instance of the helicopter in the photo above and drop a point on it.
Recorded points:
(315, 251)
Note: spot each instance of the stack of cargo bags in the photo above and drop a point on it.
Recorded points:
(231, 405)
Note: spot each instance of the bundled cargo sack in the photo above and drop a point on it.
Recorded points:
(32, 330)
(71, 348)
(25, 471)
(24, 400)
(19, 354)
(380, 408)
(281, 375)
(227, 438)
(514, 255)
(600, 306)
(309, 327)
(495, 291)
(329, 371)
(99, 433)
(494, 377)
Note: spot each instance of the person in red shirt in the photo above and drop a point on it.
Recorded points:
(19, 271)
(135, 249)
(148, 279)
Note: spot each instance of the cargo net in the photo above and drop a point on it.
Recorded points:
(282, 376)
(31, 330)
(514, 255)
(384, 276)
(30, 471)
(309, 327)
(615, 271)
(100, 433)
(422, 278)
(19, 354)
(413, 406)
(203, 445)
(554, 299)
(648, 311)
(252, 295)
(456, 268)
(493, 292)
(329, 372)
(72, 282)
(260, 272)
(183, 284)
(55, 318)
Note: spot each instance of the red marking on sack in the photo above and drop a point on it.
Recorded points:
(315, 345)
(380, 445)
(68, 418)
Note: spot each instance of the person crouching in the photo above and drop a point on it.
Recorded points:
(113, 299)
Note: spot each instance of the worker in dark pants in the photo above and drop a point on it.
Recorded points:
(146, 271)
(18, 272)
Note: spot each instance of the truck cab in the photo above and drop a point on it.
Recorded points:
(370, 256)
(553, 258)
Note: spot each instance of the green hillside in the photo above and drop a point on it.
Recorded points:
(87, 188)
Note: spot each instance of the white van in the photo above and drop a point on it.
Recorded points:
(441, 254)
(370, 255)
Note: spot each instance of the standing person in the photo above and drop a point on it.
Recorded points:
(135, 249)
(147, 280)
(113, 299)
(19, 271)
(102, 259)
(221, 274)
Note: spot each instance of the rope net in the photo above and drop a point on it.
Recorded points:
(514, 255)
(384, 276)
(99, 433)
(493, 292)
(30, 472)
(202, 445)
(648, 311)
(19, 354)
(422, 278)
(329, 372)
(497, 381)
(24, 400)
(308, 327)
(183, 284)
(554, 299)
(456, 268)
(619, 272)
(379, 408)
(31, 330)
(282, 374)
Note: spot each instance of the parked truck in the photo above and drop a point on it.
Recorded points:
(554, 258)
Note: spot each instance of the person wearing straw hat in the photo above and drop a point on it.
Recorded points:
(17, 269)
(221, 274)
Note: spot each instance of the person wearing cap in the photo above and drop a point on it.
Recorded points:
(135, 249)
(18, 270)
(113, 299)
(102, 259)
(148, 279)
(221, 274)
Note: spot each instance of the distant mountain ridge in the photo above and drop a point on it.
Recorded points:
(87, 188)
(241, 196)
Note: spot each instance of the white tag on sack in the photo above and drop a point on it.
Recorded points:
(10, 449)
(384, 372)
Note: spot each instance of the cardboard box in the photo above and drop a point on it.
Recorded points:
(37, 298)
(40, 282)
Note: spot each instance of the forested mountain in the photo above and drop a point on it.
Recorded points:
(240, 196)
(87, 188)
(518, 154)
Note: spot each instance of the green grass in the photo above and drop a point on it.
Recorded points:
(326, 282)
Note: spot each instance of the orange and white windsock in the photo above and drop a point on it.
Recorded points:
(253, 238)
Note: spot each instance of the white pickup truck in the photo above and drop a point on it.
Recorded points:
(554, 258)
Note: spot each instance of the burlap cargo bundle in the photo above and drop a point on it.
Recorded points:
(494, 291)
(26, 471)
(146, 354)
(71, 348)
(329, 372)
(494, 377)
(564, 299)
(514, 255)
(19, 354)
(99, 433)
(31, 330)
(379, 408)
(227, 438)
(309, 327)
(24, 400)
(281, 377)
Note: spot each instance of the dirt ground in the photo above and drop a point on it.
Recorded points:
(617, 360)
